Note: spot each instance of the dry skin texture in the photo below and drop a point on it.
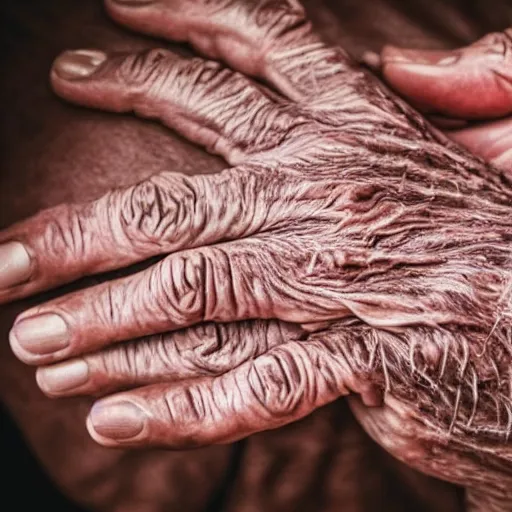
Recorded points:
(387, 248)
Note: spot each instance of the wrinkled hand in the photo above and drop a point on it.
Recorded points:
(468, 90)
(374, 253)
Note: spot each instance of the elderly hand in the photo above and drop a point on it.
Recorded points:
(375, 254)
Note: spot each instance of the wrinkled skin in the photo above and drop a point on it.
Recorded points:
(401, 378)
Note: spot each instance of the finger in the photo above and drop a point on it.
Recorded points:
(271, 40)
(216, 283)
(205, 102)
(491, 141)
(277, 388)
(207, 350)
(241, 280)
(262, 277)
(165, 213)
(471, 83)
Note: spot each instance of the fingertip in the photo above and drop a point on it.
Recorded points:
(39, 337)
(462, 83)
(16, 265)
(372, 60)
(63, 379)
(89, 78)
(73, 71)
(143, 15)
(118, 421)
(102, 441)
(77, 64)
(23, 355)
(42, 384)
(393, 55)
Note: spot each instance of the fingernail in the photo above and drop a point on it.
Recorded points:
(393, 55)
(63, 377)
(42, 334)
(72, 65)
(372, 60)
(117, 420)
(14, 264)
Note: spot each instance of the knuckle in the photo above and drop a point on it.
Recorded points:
(153, 210)
(147, 68)
(182, 282)
(267, 125)
(195, 81)
(277, 383)
(144, 208)
(198, 286)
(236, 107)
(280, 17)
(190, 352)
(214, 348)
(204, 73)
(213, 351)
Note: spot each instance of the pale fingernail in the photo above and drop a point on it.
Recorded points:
(76, 64)
(63, 377)
(393, 55)
(117, 420)
(372, 60)
(42, 334)
(14, 264)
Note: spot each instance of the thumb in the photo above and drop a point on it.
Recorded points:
(474, 82)
(492, 141)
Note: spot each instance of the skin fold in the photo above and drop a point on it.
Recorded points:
(418, 444)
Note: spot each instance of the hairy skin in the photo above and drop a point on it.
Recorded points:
(404, 363)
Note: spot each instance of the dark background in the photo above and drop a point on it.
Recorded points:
(23, 481)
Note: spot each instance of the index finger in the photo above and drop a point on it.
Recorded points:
(271, 40)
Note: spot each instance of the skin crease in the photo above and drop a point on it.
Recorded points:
(92, 194)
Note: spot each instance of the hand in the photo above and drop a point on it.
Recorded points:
(468, 88)
(343, 211)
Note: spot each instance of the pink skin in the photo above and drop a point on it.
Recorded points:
(469, 84)
(309, 191)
